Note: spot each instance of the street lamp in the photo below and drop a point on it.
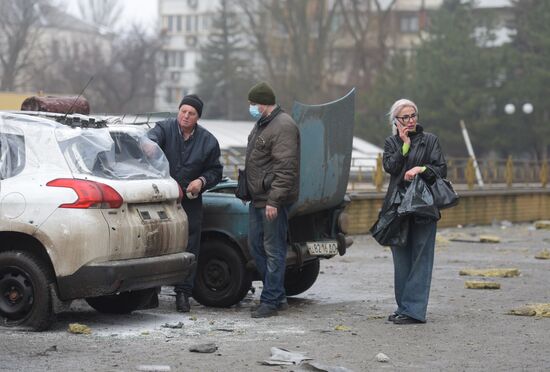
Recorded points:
(510, 108)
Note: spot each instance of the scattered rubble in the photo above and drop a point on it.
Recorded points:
(280, 357)
(543, 224)
(475, 284)
(543, 255)
(78, 328)
(204, 348)
(493, 272)
(541, 310)
(382, 358)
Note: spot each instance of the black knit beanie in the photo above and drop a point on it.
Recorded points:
(261, 93)
(194, 101)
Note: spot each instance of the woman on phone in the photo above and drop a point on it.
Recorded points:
(411, 152)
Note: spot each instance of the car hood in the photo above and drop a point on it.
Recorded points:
(326, 133)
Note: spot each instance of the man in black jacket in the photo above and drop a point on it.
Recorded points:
(194, 157)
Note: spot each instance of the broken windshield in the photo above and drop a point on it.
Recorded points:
(114, 153)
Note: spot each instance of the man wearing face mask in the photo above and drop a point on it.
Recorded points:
(272, 170)
(193, 154)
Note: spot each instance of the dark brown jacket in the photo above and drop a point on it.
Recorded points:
(273, 160)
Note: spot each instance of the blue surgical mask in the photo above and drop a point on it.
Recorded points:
(254, 112)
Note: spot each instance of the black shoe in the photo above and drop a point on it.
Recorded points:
(392, 317)
(281, 307)
(264, 311)
(404, 319)
(182, 303)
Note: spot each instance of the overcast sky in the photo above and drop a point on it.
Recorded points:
(142, 11)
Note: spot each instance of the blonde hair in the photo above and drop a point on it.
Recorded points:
(397, 106)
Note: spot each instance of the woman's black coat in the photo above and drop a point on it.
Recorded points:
(424, 151)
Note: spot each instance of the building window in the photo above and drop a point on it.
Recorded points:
(174, 58)
(409, 23)
(178, 23)
(174, 94)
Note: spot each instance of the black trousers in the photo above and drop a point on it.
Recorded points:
(193, 209)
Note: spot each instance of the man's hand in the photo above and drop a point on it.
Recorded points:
(149, 148)
(194, 187)
(270, 212)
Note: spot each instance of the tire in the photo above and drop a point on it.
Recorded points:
(122, 303)
(222, 279)
(300, 280)
(25, 298)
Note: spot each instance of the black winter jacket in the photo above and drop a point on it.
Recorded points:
(198, 156)
(425, 150)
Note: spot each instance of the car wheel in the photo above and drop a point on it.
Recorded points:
(300, 280)
(122, 303)
(222, 279)
(25, 298)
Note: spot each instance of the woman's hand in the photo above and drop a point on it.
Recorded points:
(403, 132)
(411, 173)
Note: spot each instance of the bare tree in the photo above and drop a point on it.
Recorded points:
(20, 22)
(293, 38)
(100, 12)
(367, 23)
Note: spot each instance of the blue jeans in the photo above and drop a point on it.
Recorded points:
(267, 242)
(413, 266)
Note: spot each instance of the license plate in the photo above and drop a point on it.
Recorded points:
(322, 248)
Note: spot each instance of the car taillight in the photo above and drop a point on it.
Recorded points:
(180, 196)
(90, 194)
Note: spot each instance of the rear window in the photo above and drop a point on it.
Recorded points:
(113, 154)
(12, 154)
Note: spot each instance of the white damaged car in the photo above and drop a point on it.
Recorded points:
(83, 214)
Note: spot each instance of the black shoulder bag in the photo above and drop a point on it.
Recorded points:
(242, 187)
(443, 192)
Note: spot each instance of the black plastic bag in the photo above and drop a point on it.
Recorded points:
(242, 187)
(418, 201)
(391, 229)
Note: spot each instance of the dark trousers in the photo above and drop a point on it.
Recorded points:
(193, 209)
(413, 266)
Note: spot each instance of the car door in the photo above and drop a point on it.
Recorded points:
(326, 133)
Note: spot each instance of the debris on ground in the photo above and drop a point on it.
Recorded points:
(493, 272)
(476, 284)
(209, 347)
(543, 224)
(281, 357)
(178, 325)
(543, 255)
(78, 328)
(342, 328)
(315, 366)
(382, 358)
(489, 239)
(441, 240)
(45, 352)
(153, 368)
(542, 310)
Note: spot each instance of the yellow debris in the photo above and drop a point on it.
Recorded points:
(543, 255)
(489, 239)
(78, 328)
(440, 240)
(473, 284)
(543, 224)
(542, 310)
(500, 273)
(341, 327)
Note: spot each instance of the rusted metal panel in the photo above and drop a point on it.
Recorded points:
(62, 105)
(326, 133)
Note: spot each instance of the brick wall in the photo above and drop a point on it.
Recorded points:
(475, 207)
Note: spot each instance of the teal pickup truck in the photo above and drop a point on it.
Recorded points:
(318, 220)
